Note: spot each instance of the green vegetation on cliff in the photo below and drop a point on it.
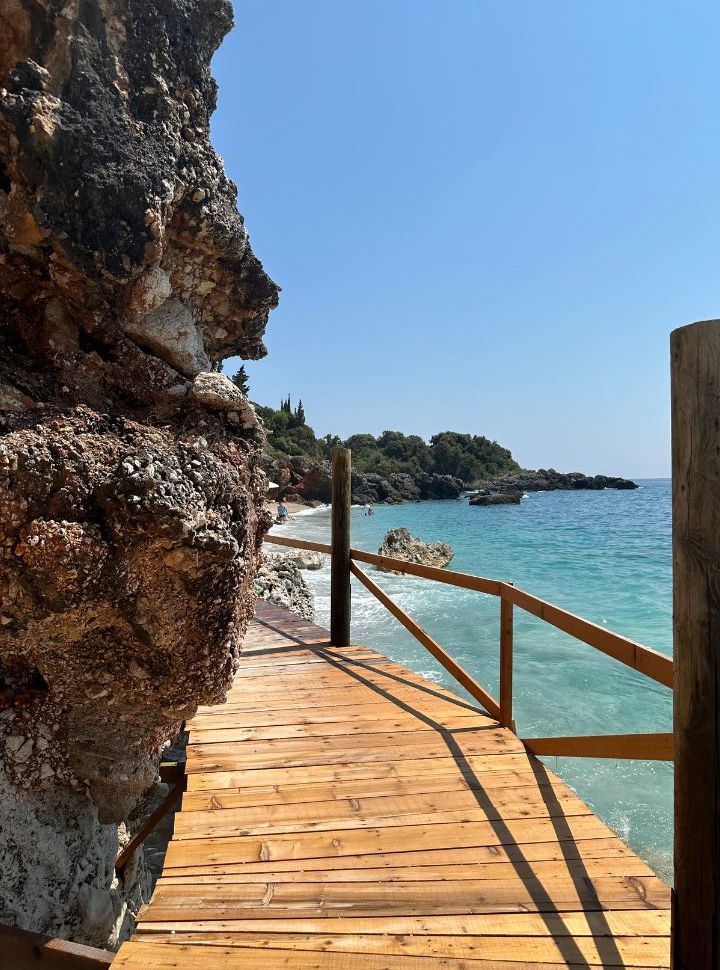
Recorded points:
(471, 458)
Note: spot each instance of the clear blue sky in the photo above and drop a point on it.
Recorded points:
(485, 216)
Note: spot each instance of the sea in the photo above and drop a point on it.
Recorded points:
(605, 555)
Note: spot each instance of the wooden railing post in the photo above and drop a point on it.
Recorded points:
(695, 352)
(506, 664)
(340, 556)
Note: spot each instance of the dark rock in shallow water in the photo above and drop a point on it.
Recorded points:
(549, 481)
(497, 498)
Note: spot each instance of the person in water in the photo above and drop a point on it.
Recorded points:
(282, 513)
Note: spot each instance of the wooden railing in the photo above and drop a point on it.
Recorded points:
(22, 950)
(650, 663)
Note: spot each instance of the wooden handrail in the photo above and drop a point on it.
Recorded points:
(454, 668)
(148, 826)
(657, 666)
(462, 580)
(299, 543)
(643, 747)
(23, 950)
(654, 665)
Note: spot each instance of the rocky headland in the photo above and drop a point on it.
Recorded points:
(548, 480)
(401, 544)
(131, 474)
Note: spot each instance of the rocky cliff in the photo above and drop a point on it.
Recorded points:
(131, 483)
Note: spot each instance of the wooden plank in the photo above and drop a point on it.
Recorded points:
(351, 751)
(217, 779)
(598, 924)
(141, 955)
(646, 951)
(649, 747)
(344, 728)
(297, 900)
(454, 668)
(368, 813)
(444, 714)
(578, 869)
(524, 853)
(293, 794)
(187, 852)
(402, 697)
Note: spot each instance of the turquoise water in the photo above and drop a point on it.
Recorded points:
(605, 555)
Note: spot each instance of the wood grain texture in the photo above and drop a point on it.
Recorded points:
(695, 354)
(649, 747)
(340, 548)
(343, 812)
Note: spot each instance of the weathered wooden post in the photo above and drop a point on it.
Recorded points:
(695, 352)
(506, 664)
(340, 559)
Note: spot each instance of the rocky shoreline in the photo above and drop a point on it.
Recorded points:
(309, 483)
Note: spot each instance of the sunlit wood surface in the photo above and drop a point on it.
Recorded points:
(343, 811)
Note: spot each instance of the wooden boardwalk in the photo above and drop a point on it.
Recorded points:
(345, 812)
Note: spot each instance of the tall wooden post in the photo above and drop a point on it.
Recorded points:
(340, 559)
(695, 352)
(506, 664)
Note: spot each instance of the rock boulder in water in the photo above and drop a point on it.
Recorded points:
(280, 582)
(400, 544)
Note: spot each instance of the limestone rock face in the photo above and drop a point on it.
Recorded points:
(131, 480)
(400, 544)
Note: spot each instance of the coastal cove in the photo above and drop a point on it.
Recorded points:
(604, 554)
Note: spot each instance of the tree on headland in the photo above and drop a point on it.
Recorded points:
(240, 380)
(471, 458)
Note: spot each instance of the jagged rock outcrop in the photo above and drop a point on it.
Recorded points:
(280, 582)
(548, 480)
(131, 479)
(400, 544)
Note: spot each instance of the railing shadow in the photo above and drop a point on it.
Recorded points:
(581, 879)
